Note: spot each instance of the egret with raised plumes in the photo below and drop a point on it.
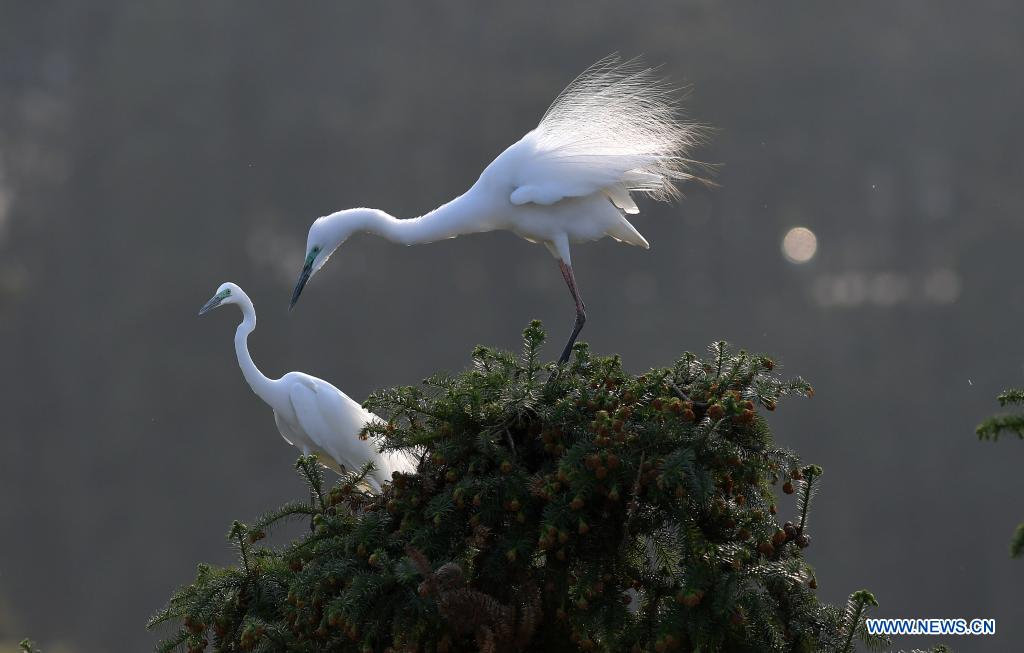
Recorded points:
(310, 413)
(612, 132)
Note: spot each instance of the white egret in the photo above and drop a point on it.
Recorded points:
(612, 132)
(311, 414)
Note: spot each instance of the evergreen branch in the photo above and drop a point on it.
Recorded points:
(808, 488)
(165, 646)
(993, 427)
(1011, 397)
(310, 470)
(238, 533)
(1017, 543)
(289, 510)
(533, 339)
(685, 397)
(631, 512)
(719, 351)
(404, 401)
(856, 609)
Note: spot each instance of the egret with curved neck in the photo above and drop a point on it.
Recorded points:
(611, 133)
(311, 414)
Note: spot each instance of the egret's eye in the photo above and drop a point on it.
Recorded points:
(313, 253)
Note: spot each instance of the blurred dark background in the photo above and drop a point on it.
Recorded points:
(150, 151)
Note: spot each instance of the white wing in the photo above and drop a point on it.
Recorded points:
(298, 438)
(612, 130)
(322, 414)
(285, 430)
(333, 420)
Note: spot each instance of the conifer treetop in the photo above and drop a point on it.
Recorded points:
(574, 509)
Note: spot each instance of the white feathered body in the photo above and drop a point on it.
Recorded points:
(612, 132)
(317, 417)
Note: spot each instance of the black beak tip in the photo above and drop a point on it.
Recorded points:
(303, 278)
(210, 305)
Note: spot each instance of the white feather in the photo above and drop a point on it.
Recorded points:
(615, 128)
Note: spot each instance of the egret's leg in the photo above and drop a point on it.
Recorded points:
(581, 313)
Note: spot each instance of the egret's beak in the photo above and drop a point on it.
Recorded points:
(210, 305)
(307, 271)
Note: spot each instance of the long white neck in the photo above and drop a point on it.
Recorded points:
(465, 214)
(259, 383)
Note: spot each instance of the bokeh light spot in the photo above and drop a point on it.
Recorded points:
(799, 245)
(942, 286)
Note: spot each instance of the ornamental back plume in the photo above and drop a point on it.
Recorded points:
(619, 121)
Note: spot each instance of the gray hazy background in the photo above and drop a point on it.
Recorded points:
(151, 150)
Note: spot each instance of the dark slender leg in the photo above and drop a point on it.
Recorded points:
(581, 313)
